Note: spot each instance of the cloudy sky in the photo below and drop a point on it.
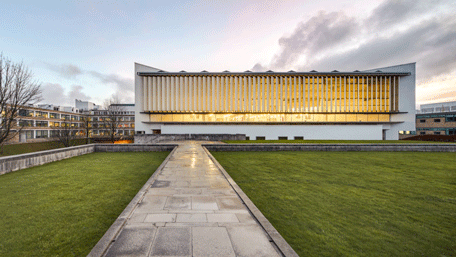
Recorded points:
(86, 49)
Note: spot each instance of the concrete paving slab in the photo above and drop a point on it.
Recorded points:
(230, 203)
(133, 240)
(229, 217)
(250, 241)
(204, 203)
(151, 203)
(195, 218)
(211, 241)
(178, 203)
(172, 241)
(160, 184)
(137, 218)
(164, 217)
(245, 218)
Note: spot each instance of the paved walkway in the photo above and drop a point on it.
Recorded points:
(191, 210)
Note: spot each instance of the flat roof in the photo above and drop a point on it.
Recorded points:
(271, 73)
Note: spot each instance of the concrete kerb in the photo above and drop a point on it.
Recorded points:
(273, 234)
(334, 147)
(109, 237)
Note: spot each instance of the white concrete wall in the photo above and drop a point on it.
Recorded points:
(139, 125)
(337, 132)
(406, 97)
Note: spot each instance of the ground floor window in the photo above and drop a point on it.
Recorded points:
(42, 134)
(29, 134)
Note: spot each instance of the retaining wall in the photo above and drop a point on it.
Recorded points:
(22, 161)
(156, 138)
(333, 147)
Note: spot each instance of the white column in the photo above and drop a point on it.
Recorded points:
(149, 93)
(190, 94)
(163, 93)
(154, 93)
(267, 90)
(372, 94)
(299, 95)
(376, 93)
(380, 95)
(277, 82)
(254, 97)
(340, 93)
(171, 94)
(308, 93)
(231, 78)
(181, 94)
(362, 102)
(394, 93)
(214, 95)
(144, 84)
(282, 94)
(386, 91)
(357, 90)
(261, 94)
(331, 98)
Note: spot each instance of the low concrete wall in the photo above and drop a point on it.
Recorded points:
(134, 147)
(333, 147)
(22, 161)
(156, 138)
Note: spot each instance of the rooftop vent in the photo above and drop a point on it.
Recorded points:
(356, 71)
(226, 71)
(378, 71)
(248, 71)
(161, 71)
(335, 71)
(269, 71)
(313, 71)
(291, 71)
(204, 71)
(182, 71)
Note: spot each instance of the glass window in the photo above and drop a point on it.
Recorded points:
(41, 134)
(29, 134)
(436, 132)
(422, 133)
(422, 121)
(436, 120)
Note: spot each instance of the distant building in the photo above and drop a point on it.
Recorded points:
(371, 104)
(41, 122)
(85, 105)
(125, 113)
(436, 119)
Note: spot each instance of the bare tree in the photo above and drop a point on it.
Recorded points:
(86, 126)
(112, 117)
(17, 89)
(64, 133)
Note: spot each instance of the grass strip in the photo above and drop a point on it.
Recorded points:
(14, 149)
(353, 203)
(332, 142)
(64, 208)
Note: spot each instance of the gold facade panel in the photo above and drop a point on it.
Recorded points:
(271, 93)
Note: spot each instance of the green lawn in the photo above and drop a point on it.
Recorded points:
(353, 203)
(34, 147)
(64, 208)
(333, 142)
